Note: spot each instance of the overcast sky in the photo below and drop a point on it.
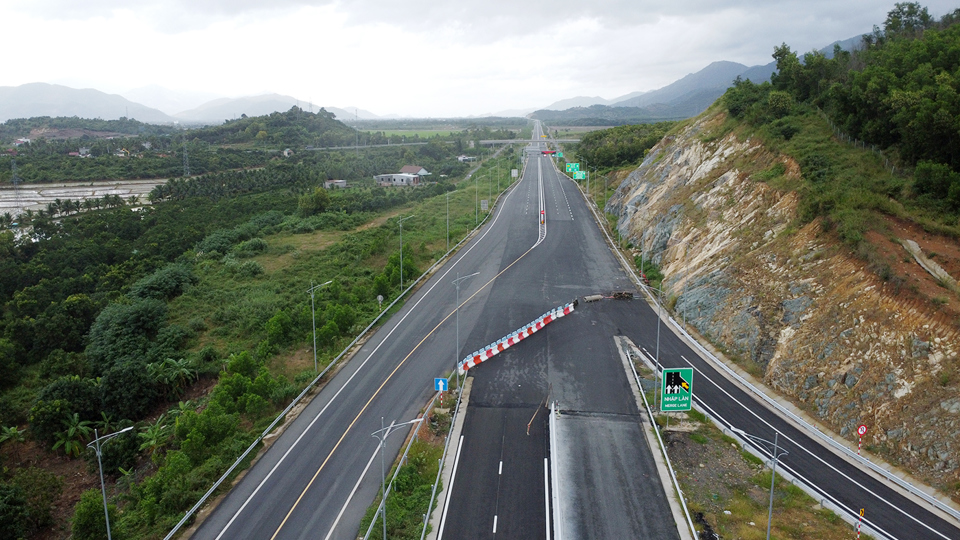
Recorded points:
(410, 57)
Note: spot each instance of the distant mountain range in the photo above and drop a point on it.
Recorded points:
(42, 99)
(683, 98)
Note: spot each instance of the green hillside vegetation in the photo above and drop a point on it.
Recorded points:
(620, 146)
(20, 127)
(294, 127)
(244, 143)
(603, 115)
(899, 95)
(110, 317)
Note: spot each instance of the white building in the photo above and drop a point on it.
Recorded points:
(397, 179)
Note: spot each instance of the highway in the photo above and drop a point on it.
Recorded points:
(611, 489)
(318, 478)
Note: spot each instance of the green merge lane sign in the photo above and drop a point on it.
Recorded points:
(676, 389)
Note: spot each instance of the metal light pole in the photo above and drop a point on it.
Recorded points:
(656, 370)
(95, 444)
(313, 311)
(777, 452)
(382, 434)
(448, 221)
(476, 197)
(401, 220)
(456, 349)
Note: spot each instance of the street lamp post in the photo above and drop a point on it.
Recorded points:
(402, 219)
(448, 221)
(476, 197)
(382, 434)
(777, 452)
(95, 444)
(456, 349)
(313, 312)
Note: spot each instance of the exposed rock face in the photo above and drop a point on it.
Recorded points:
(791, 303)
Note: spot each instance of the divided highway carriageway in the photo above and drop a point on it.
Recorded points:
(540, 249)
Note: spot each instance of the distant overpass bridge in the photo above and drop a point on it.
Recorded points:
(525, 141)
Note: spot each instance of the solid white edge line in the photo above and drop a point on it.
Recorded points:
(446, 504)
(350, 497)
(818, 458)
(362, 364)
(546, 494)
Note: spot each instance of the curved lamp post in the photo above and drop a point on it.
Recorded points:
(456, 351)
(96, 443)
(382, 434)
(313, 311)
(400, 222)
(777, 452)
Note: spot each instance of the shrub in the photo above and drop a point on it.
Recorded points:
(60, 363)
(47, 417)
(13, 512)
(88, 520)
(82, 394)
(279, 328)
(40, 489)
(250, 269)
(128, 390)
(8, 364)
(120, 452)
(124, 332)
(251, 247)
(166, 283)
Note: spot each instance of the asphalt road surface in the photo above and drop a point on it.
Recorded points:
(610, 485)
(319, 477)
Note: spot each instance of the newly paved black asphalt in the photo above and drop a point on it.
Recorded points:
(311, 483)
(500, 486)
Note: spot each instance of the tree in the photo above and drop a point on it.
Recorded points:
(313, 203)
(128, 390)
(907, 18)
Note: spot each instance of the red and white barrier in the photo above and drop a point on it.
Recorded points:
(516, 337)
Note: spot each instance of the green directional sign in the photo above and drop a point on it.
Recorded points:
(676, 389)
(573, 167)
(580, 175)
(559, 154)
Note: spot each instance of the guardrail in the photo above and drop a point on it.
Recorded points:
(663, 447)
(806, 426)
(317, 379)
